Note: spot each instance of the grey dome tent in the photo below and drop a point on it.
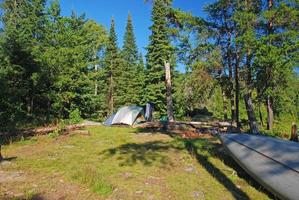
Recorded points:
(125, 115)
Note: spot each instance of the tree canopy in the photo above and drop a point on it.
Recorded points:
(239, 63)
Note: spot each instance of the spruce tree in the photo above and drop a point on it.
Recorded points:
(130, 51)
(23, 29)
(130, 75)
(159, 51)
(113, 71)
(45, 61)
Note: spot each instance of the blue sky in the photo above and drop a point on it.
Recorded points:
(103, 10)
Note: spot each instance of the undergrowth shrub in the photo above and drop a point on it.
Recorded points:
(75, 116)
(59, 130)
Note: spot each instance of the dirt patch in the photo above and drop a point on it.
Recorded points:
(40, 186)
(16, 176)
(193, 135)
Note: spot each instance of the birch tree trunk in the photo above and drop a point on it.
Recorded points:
(96, 81)
(270, 117)
(30, 103)
(110, 96)
(168, 92)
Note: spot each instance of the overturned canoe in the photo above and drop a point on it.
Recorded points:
(273, 162)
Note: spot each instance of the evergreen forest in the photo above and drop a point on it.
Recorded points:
(240, 61)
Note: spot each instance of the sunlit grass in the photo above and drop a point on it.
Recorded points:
(120, 163)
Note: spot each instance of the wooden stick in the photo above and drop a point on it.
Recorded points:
(294, 136)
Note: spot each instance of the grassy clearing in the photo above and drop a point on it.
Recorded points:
(119, 163)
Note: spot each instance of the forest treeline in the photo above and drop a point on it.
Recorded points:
(250, 50)
(240, 62)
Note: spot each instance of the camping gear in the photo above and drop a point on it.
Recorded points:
(128, 115)
(164, 118)
(273, 162)
(149, 108)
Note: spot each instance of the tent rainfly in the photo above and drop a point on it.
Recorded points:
(125, 115)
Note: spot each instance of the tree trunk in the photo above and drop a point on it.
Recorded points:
(237, 89)
(270, 22)
(230, 74)
(260, 115)
(96, 82)
(110, 96)
(168, 92)
(1, 158)
(294, 136)
(224, 106)
(48, 110)
(29, 105)
(232, 97)
(247, 96)
(96, 89)
(250, 113)
(270, 117)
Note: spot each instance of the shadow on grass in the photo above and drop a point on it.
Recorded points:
(147, 153)
(29, 197)
(212, 169)
(12, 137)
(201, 149)
(8, 159)
(196, 146)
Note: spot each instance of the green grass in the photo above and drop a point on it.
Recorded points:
(281, 127)
(119, 163)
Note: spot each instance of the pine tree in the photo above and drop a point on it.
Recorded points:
(159, 52)
(23, 28)
(113, 71)
(276, 55)
(132, 72)
(246, 20)
(44, 61)
(129, 50)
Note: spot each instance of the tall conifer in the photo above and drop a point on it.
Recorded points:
(113, 70)
(130, 51)
(159, 52)
(132, 86)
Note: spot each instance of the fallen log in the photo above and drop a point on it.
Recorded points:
(47, 130)
(39, 131)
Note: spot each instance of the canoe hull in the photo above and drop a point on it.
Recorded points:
(276, 173)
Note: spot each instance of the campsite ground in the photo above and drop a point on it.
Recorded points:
(122, 163)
